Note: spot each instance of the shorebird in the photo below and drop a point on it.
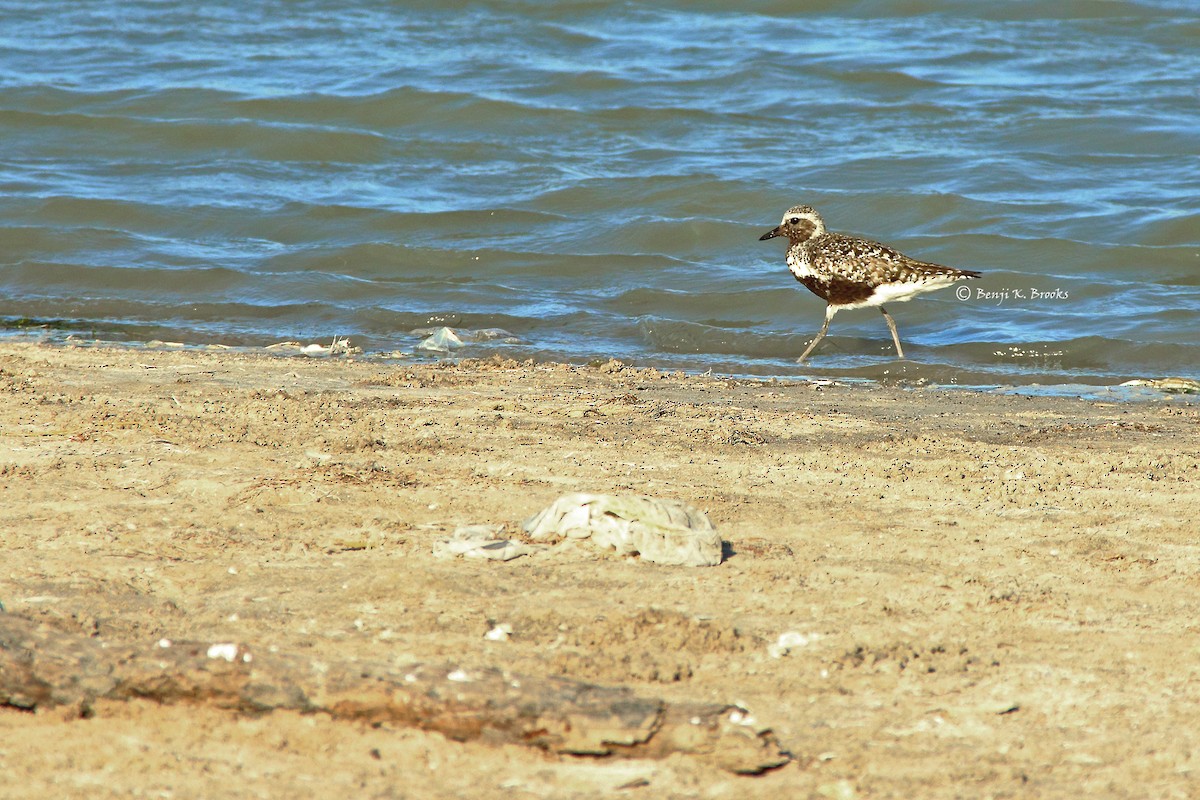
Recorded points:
(848, 272)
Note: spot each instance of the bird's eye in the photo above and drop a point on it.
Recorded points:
(794, 221)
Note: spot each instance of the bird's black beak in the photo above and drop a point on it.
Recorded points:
(771, 234)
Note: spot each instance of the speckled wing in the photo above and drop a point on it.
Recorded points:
(871, 263)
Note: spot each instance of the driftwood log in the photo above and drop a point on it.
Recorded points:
(41, 667)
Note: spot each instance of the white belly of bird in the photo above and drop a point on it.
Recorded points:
(902, 291)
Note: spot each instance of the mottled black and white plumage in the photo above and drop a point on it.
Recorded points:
(848, 272)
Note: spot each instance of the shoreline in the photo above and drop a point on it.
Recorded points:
(981, 590)
(906, 374)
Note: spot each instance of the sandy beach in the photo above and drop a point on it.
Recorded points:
(988, 595)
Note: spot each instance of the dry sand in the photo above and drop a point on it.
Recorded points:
(999, 596)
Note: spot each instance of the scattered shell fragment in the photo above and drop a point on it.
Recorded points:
(837, 790)
(225, 650)
(500, 633)
(790, 641)
(740, 716)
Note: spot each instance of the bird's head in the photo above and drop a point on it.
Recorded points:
(799, 224)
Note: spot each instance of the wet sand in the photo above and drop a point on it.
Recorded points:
(996, 596)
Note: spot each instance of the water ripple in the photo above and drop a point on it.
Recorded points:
(595, 175)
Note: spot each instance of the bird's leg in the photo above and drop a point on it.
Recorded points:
(895, 336)
(829, 312)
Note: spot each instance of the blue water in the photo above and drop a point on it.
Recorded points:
(593, 177)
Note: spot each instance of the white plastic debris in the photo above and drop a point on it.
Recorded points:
(480, 541)
(340, 346)
(1168, 385)
(666, 532)
(445, 340)
(790, 641)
